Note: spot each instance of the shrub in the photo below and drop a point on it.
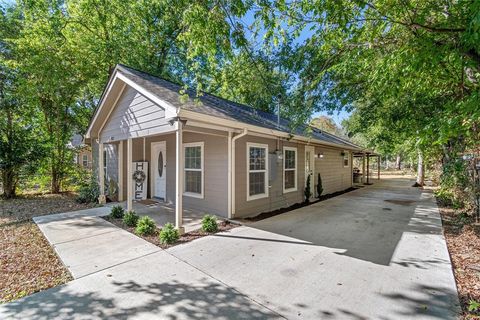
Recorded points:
(88, 191)
(130, 218)
(145, 226)
(209, 223)
(308, 192)
(319, 186)
(117, 212)
(169, 234)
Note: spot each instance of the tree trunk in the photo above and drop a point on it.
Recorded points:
(9, 184)
(398, 162)
(420, 171)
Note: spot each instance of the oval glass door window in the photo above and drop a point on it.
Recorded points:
(160, 164)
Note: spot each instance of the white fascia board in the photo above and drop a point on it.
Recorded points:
(251, 128)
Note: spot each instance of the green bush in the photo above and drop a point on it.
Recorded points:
(169, 234)
(117, 212)
(307, 192)
(319, 186)
(130, 218)
(209, 223)
(88, 191)
(145, 226)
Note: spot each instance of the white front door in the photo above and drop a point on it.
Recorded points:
(310, 166)
(159, 166)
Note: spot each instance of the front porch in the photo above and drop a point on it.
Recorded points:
(162, 213)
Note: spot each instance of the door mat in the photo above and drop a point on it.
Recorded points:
(147, 202)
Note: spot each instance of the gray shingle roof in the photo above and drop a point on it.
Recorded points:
(222, 108)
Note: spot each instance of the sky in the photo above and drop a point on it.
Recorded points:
(337, 116)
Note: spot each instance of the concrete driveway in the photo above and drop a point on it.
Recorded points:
(374, 253)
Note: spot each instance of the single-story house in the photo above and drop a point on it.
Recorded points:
(206, 152)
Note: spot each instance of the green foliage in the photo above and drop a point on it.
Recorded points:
(130, 218)
(88, 191)
(319, 186)
(145, 226)
(209, 223)
(169, 234)
(307, 192)
(117, 212)
(473, 306)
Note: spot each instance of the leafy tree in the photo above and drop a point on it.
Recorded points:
(20, 149)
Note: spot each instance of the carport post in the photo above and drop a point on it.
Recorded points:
(363, 167)
(179, 177)
(368, 168)
(378, 162)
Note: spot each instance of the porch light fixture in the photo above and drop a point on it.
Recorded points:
(319, 155)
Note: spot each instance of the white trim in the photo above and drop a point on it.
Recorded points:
(179, 177)
(312, 179)
(229, 175)
(120, 171)
(233, 194)
(346, 154)
(200, 144)
(153, 172)
(252, 128)
(111, 109)
(295, 169)
(266, 172)
(129, 175)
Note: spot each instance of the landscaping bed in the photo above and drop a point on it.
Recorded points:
(25, 207)
(27, 262)
(265, 215)
(463, 242)
(186, 237)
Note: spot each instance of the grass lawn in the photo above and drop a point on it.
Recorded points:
(27, 261)
(463, 242)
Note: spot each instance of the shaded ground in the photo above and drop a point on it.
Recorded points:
(26, 207)
(27, 261)
(463, 241)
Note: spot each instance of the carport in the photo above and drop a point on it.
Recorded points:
(365, 173)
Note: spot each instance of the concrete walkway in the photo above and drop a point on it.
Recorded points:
(374, 253)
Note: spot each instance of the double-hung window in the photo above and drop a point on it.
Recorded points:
(346, 158)
(193, 169)
(289, 169)
(85, 160)
(257, 171)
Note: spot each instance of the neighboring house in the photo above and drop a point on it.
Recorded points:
(214, 155)
(83, 152)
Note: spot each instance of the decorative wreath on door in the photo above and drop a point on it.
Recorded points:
(139, 176)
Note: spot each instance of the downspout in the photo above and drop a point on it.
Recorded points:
(232, 179)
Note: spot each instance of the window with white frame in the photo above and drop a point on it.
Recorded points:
(289, 169)
(257, 171)
(193, 169)
(85, 160)
(346, 158)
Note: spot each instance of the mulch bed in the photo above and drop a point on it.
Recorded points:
(186, 237)
(23, 208)
(27, 262)
(463, 242)
(265, 215)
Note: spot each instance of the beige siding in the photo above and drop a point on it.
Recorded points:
(215, 171)
(335, 176)
(133, 116)
(276, 198)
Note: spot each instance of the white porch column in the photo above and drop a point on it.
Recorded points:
(229, 175)
(120, 171)
(129, 175)
(101, 175)
(179, 178)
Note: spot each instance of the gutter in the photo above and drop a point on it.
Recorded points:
(231, 195)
